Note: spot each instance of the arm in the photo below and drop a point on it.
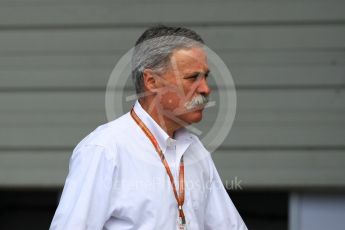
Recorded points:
(85, 199)
(220, 213)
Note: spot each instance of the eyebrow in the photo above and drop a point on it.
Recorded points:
(195, 74)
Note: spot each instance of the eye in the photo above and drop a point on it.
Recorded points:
(193, 76)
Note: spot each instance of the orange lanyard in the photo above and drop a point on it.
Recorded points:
(180, 197)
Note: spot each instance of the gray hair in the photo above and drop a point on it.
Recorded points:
(154, 48)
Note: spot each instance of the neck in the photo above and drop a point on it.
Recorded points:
(165, 123)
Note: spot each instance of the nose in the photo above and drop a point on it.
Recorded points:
(203, 87)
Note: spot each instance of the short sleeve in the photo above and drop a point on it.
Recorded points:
(220, 212)
(86, 195)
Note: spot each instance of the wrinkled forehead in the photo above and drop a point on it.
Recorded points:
(189, 57)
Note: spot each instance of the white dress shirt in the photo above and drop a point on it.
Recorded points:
(117, 181)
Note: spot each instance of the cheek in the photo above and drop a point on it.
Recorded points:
(173, 98)
(170, 100)
(190, 90)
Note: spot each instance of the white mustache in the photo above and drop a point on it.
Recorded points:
(196, 101)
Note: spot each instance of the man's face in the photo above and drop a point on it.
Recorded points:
(181, 85)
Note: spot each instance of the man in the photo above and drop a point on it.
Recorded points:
(144, 170)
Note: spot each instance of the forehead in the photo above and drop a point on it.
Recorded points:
(192, 59)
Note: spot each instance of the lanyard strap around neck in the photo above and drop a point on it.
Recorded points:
(179, 198)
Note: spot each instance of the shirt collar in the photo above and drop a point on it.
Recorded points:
(161, 136)
(182, 135)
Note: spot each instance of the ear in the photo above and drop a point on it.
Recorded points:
(150, 80)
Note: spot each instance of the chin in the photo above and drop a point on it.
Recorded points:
(193, 117)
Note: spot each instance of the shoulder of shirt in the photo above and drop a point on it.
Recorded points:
(202, 153)
(197, 141)
(207, 156)
(107, 135)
